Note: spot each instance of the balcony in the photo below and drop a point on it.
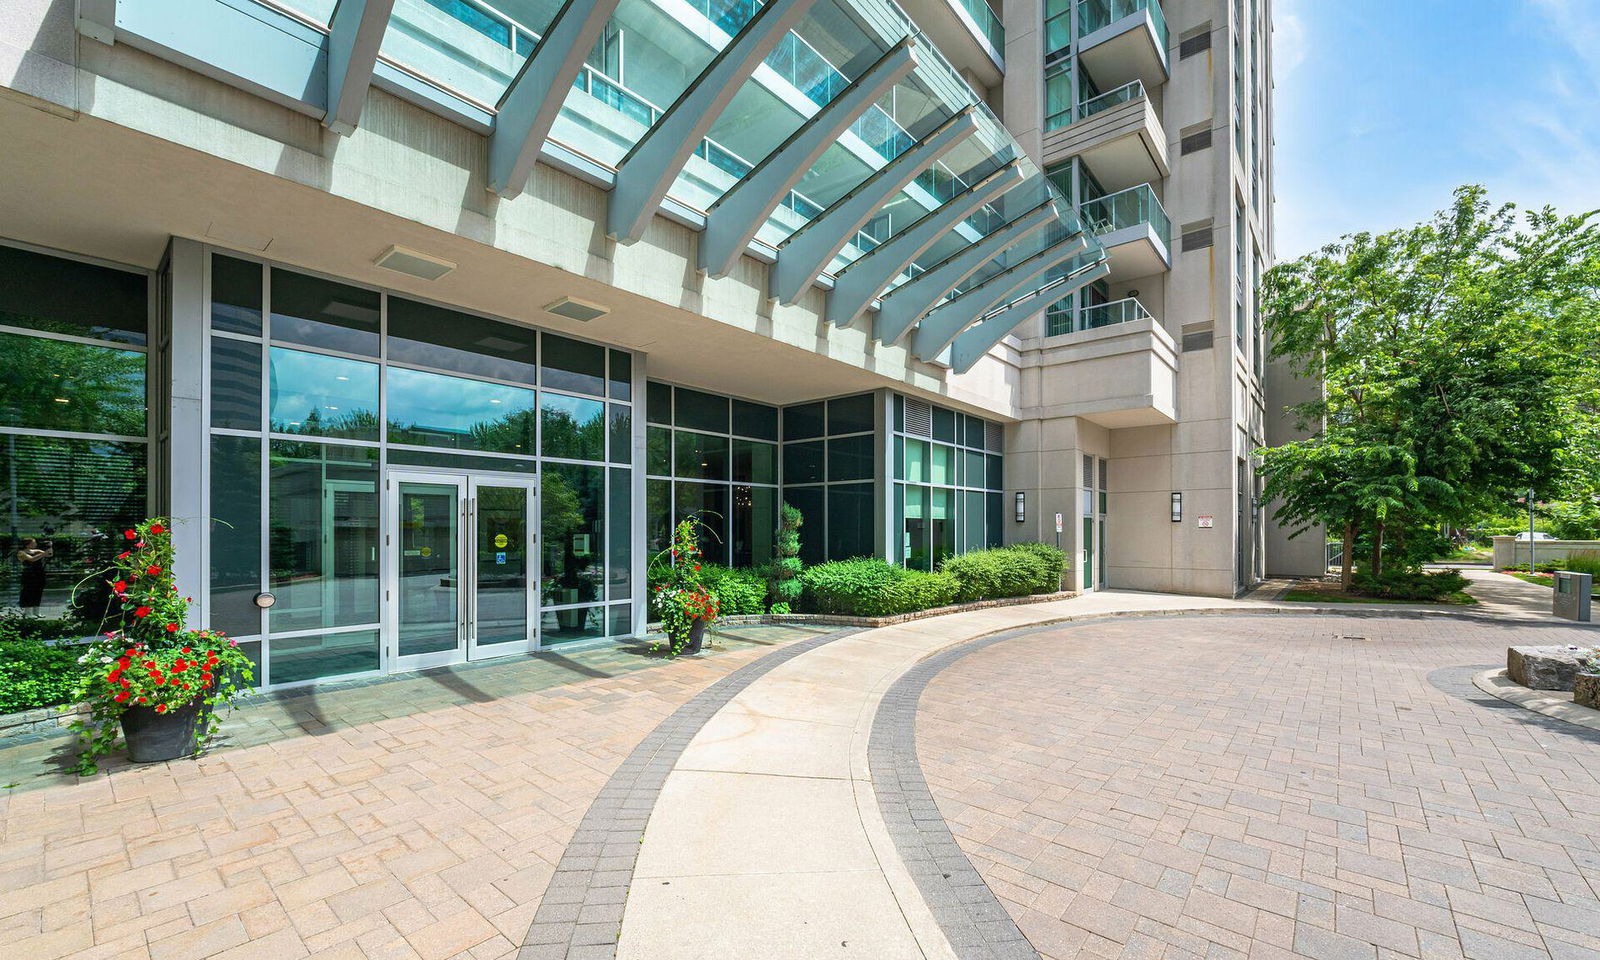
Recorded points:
(1135, 230)
(1123, 40)
(1063, 318)
(1120, 374)
(969, 32)
(1117, 133)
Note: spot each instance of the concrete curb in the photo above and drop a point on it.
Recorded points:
(1551, 703)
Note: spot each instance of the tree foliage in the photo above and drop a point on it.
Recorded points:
(1460, 364)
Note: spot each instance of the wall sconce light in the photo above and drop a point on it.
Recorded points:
(1022, 506)
(1177, 508)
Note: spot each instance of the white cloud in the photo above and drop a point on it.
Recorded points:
(1288, 38)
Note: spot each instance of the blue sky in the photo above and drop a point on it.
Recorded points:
(1384, 106)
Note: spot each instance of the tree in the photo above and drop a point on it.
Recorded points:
(786, 564)
(1460, 364)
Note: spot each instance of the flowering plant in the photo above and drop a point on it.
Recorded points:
(684, 598)
(1589, 660)
(152, 659)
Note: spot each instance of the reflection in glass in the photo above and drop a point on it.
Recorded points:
(753, 525)
(572, 504)
(658, 451)
(72, 497)
(323, 551)
(430, 336)
(708, 502)
(57, 385)
(235, 534)
(429, 584)
(323, 655)
(700, 411)
(437, 410)
(572, 427)
(658, 403)
(657, 517)
(813, 534)
(501, 614)
(321, 313)
(621, 416)
(235, 295)
(914, 545)
(699, 456)
(755, 462)
(851, 414)
(972, 520)
(235, 384)
(621, 375)
(619, 563)
(802, 462)
(755, 420)
(852, 458)
(619, 620)
(802, 421)
(850, 513)
(573, 365)
(322, 396)
(58, 295)
(941, 524)
(574, 623)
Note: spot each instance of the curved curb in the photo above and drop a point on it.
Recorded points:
(1551, 703)
(583, 903)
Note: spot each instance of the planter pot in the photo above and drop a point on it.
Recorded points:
(154, 737)
(697, 639)
(1586, 690)
(572, 619)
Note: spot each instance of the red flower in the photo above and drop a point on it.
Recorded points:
(186, 686)
(187, 650)
(172, 628)
(153, 570)
(161, 708)
(144, 699)
(157, 528)
(120, 586)
(141, 611)
(180, 664)
(124, 662)
(130, 534)
(124, 555)
(121, 697)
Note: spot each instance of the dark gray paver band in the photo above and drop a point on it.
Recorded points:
(580, 916)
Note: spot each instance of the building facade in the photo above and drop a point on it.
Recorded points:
(426, 319)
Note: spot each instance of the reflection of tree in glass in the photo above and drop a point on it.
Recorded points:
(565, 436)
(354, 425)
(57, 385)
(512, 433)
(569, 505)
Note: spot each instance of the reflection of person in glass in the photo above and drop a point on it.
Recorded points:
(32, 556)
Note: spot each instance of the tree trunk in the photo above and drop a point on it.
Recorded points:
(1347, 555)
(1377, 550)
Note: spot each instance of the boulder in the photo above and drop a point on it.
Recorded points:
(1542, 668)
(1586, 690)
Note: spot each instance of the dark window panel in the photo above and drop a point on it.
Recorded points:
(850, 521)
(851, 414)
(323, 546)
(621, 417)
(755, 462)
(235, 527)
(852, 458)
(658, 451)
(944, 424)
(430, 336)
(699, 456)
(572, 508)
(802, 462)
(235, 384)
(755, 420)
(573, 365)
(658, 403)
(813, 529)
(700, 411)
(619, 555)
(235, 295)
(802, 421)
(621, 375)
(58, 295)
(320, 313)
(709, 502)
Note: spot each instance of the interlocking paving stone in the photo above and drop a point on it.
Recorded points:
(1271, 787)
(430, 833)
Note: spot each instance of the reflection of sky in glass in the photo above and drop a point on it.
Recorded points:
(329, 396)
(440, 410)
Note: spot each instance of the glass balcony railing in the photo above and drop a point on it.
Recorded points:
(1094, 14)
(1105, 314)
(1111, 98)
(1125, 208)
(1063, 317)
(984, 16)
(1058, 87)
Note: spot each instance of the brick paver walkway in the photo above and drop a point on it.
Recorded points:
(1269, 787)
(429, 834)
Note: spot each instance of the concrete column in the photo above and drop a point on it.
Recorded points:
(187, 467)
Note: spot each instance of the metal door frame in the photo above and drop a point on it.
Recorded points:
(535, 559)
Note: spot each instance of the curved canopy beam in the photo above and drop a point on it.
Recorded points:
(648, 171)
(355, 31)
(906, 303)
(533, 100)
(977, 340)
(856, 285)
(808, 250)
(942, 323)
(738, 214)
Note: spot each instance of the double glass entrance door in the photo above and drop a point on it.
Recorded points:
(461, 559)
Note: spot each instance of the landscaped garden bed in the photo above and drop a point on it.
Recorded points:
(1443, 587)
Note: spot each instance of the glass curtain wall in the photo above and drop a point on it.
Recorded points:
(947, 484)
(715, 456)
(830, 461)
(317, 386)
(74, 428)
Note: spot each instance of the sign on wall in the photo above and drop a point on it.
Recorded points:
(1206, 523)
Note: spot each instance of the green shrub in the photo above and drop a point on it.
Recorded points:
(783, 573)
(739, 592)
(872, 588)
(1410, 585)
(1005, 572)
(35, 674)
(1584, 561)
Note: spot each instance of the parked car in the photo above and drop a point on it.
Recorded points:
(1535, 535)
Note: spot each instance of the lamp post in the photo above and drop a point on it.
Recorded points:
(1532, 566)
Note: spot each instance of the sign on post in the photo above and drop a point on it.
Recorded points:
(1058, 523)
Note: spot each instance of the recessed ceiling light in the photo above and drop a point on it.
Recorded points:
(413, 263)
(574, 309)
